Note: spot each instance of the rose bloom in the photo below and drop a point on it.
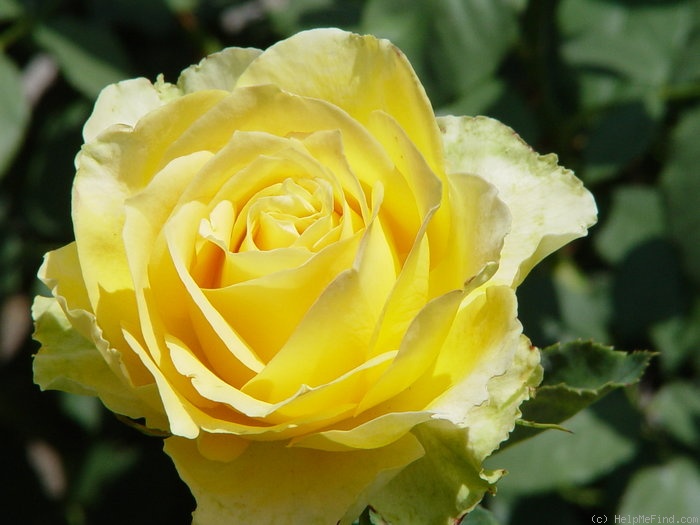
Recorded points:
(290, 266)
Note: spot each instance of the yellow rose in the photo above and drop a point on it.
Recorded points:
(290, 265)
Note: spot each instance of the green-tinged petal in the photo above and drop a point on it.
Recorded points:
(68, 361)
(122, 103)
(359, 74)
(490, 423)
(549, 205)
(481, 345)
(492, 370)
(62, 273)
(441, 486)
(217, 71)
(271, 484)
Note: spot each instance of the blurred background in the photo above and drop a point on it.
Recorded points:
(611, 86)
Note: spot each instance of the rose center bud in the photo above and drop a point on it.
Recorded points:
(278, 228)
(293, 213)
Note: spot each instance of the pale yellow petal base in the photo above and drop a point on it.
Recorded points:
(271, 484)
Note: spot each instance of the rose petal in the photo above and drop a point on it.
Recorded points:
(68, 361)
(110, 170)
(221, 343)
(408, 296)
(171, 388)
(61, 273)
(484, 328)
(305, 405)
(217, 71)
(490, 423)
(267, 309)
(419, 348)
(448, 481)
(359, 74)
(334, 334)
(265, 108)
(439, 487)
(424, 188)
(145, 214)
(122, 103)
(478, 222)
(375, 433)
(310, 486)
(549, 205)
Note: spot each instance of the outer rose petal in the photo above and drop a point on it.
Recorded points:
(69, 362)
(549, 205)
(490, 423)
(122, 103)
(217, 71)
(128, 101)
(441, 486)
(360, 74)
(72, 322)
(449, 480)
(270, 484)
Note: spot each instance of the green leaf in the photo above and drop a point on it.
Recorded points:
(14, 112)
(636, 215)
(681, 186)
(291, 17)
(470, 40)
(677, 339)
(563, 304)
(586, 367)
(103, 464)
(87, 411)
(648, 288)
(559, 459)
(50, 170)
(89, 55)
(9, 10)
(639, 40)
(667, 490)
(577, 374)
(687, 68)
(622, 135)
(676, 408)
(404, 22)
(477, 100)
(454, 46)
(583, 300)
